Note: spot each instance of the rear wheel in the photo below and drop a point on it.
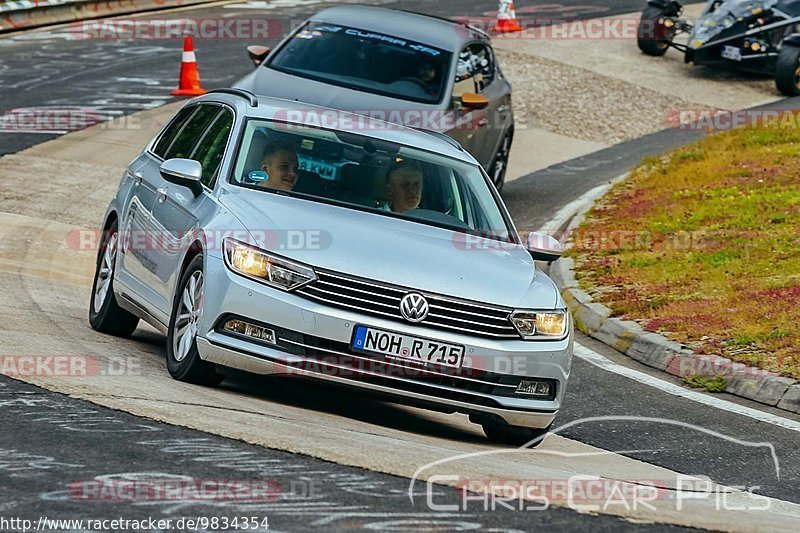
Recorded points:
(653, 37)
(105, 314)
(514, 435)
(183, 359)
(787, 70)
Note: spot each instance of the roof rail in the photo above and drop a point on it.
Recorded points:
(445, 19)
(252, 98)
(444, 137)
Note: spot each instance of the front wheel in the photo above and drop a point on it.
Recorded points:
(497, 170)
(183, 359)
(105, 314)
(514, 435)
(652, 37)
(787, 70)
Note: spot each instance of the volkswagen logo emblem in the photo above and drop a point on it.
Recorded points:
(414, 307)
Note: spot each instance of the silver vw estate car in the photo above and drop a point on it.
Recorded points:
(275, 237)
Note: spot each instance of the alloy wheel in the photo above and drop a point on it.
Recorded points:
(105, 272)
(189, 312)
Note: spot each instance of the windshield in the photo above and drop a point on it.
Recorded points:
(368, 174)
(365, 61)
(726, 14)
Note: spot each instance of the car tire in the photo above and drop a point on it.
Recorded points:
(787, 70)
(105, 314)
(514, 435)
(183, 358)
(497, 170)
(648, 42)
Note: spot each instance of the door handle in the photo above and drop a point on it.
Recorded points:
(162, 194)
(503, 108)
(483, 122)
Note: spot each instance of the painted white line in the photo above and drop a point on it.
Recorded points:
(45, 132)
(606, 364)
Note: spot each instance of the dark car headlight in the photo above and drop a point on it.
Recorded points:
(265, 267)
(541, 325)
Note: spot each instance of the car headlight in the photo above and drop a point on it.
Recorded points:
(265, 267)
(540, 324)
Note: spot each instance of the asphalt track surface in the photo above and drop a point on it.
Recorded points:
(80, 447)
(46, 70)
(64, 68)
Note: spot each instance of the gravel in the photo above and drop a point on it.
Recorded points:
(581, 104)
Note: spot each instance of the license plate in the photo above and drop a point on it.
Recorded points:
(732, 52)
(407, 348)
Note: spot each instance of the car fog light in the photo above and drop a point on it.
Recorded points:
(533, 388)
(250, 330)
(756, 46)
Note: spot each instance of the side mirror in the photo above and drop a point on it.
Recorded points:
(258, 53)
(474, 101)
(183, 172)
(544, 247)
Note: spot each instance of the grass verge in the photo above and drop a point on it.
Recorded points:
(703, 245)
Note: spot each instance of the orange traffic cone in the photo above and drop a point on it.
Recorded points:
(189, 84)
(506, 18)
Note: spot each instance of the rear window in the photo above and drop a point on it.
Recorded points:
(366, 61)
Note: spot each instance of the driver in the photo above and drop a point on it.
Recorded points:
(429, 77)
(280, 163)
(404, 186)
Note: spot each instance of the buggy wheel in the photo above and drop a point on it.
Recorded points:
(787, 71)
(653, 38)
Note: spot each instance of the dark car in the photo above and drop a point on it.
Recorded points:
(418, 70)
(760, 36)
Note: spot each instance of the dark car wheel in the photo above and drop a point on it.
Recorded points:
(183, 359)
(105, 314)
(497, 170)
(514, 435)
(787, 71)
(653, 38)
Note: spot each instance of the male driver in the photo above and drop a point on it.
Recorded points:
(404, 186)
(280, 164)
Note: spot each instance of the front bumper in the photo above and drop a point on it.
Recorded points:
(313, 341)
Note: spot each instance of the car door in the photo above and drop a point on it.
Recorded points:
(496, 117)
(135, 268)
(463, 82)
(176, 212)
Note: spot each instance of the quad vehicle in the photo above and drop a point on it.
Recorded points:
(760, 36)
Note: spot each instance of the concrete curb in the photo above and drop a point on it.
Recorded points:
(654, 350)
(26, 14)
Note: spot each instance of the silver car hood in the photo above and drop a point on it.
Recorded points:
(268, 82)
(395, 251)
